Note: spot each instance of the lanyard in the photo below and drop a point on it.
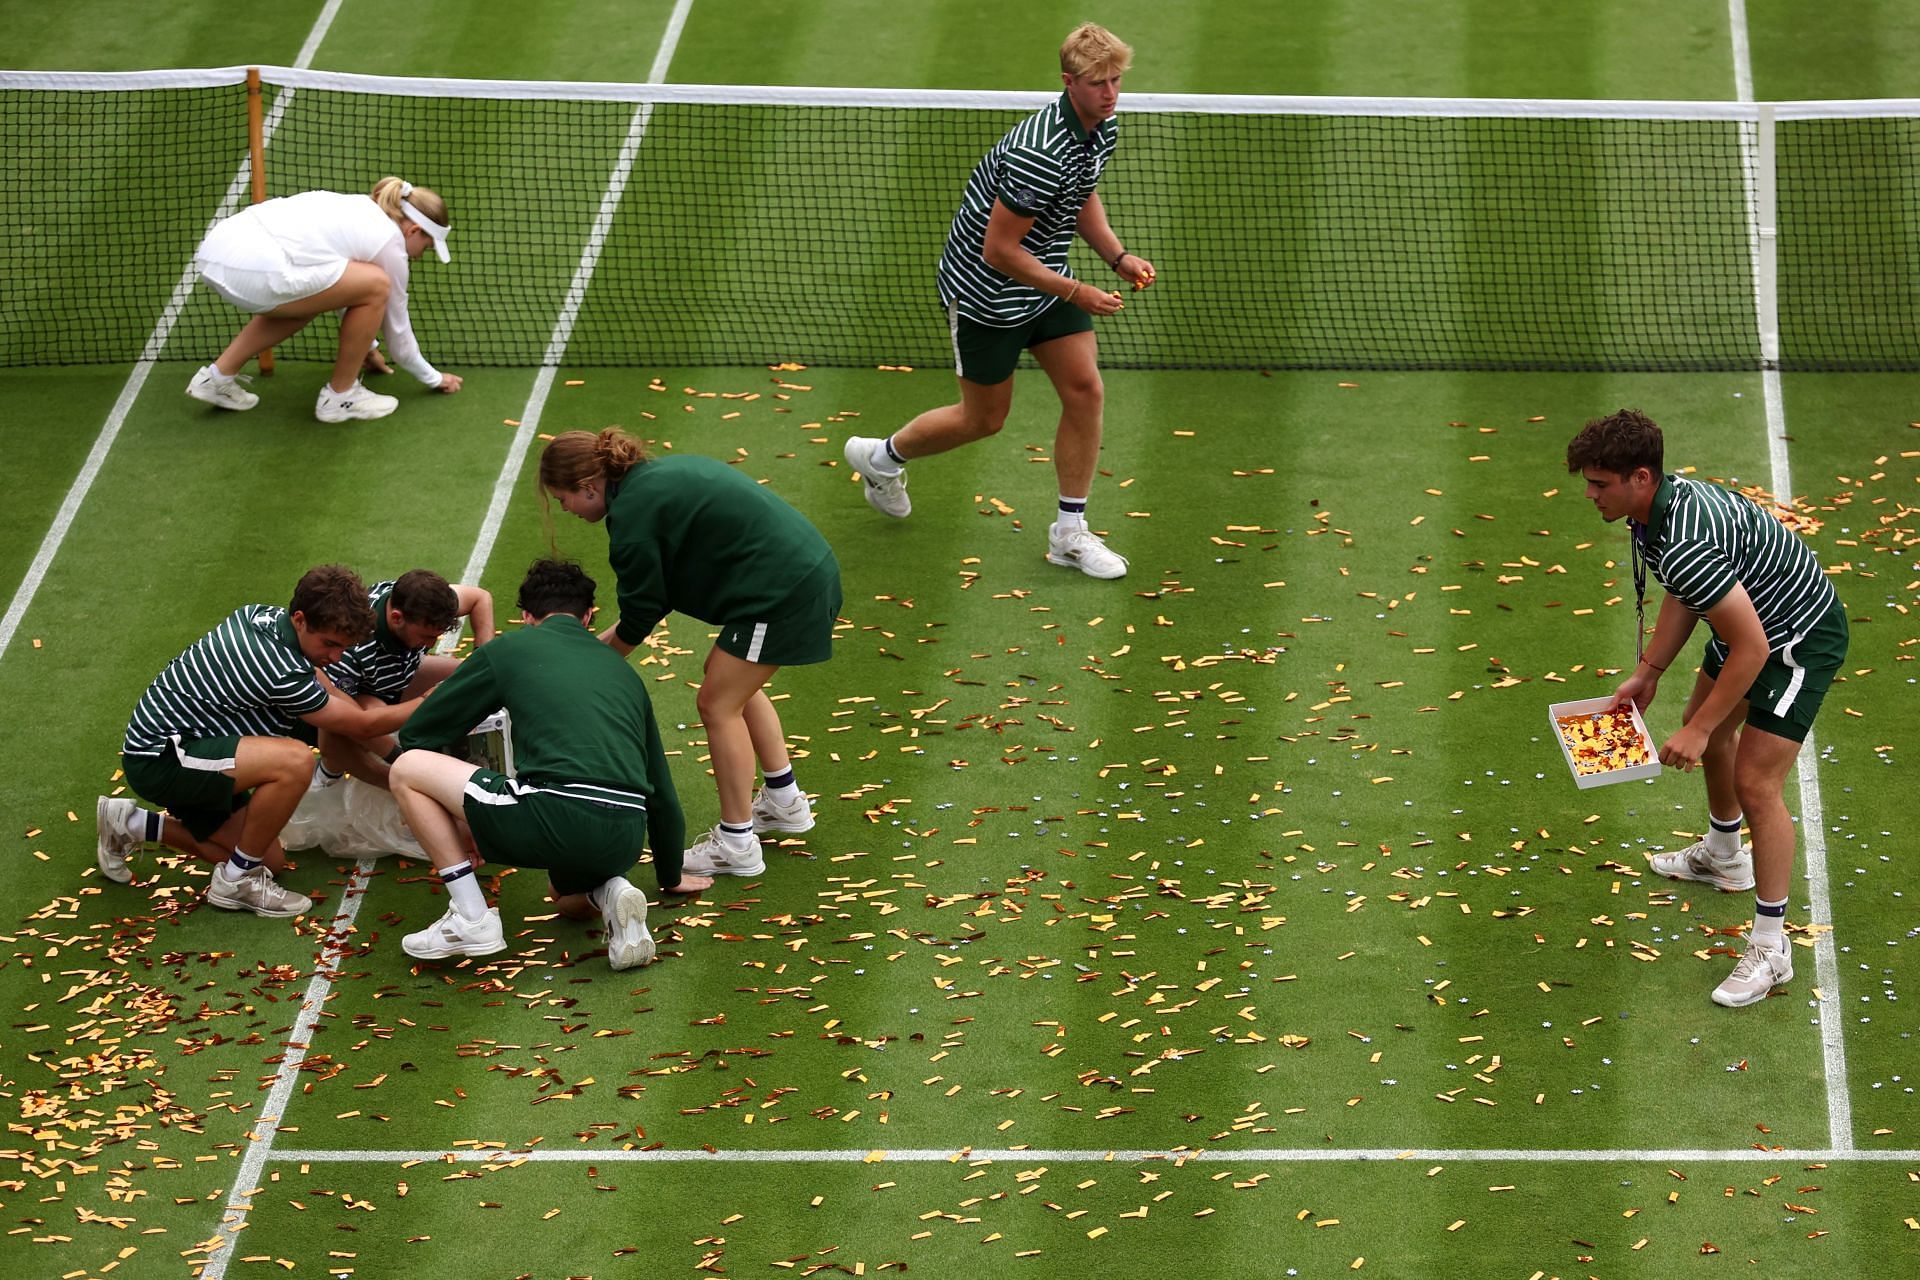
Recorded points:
(1639, 535)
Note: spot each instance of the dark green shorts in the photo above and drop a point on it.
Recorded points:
(190, 781)
(1786, 695)
(580, 835)
(988, 355)
(799, 632)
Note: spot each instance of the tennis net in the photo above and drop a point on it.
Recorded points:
(701, 225)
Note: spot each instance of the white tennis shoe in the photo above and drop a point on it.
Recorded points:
(712, 857)
(455, 935)
(770, 815)
(1082, 549)
(623, 908)
(1732, 874)
(885, 494)
(256, 891)
(221, 393)
(356, 402)
(111, 818)
(1759, 971)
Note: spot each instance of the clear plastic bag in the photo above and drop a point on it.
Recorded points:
(351, 819)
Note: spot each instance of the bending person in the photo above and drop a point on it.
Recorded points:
(410, 614)
(694, 535)
(593, 790)
(213, 741)
(288, 260)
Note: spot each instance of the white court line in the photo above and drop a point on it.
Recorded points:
(260, 1149)
(1813, 836)
(968, 1155)
(570, 308)
(246, 1183)
(137, 379)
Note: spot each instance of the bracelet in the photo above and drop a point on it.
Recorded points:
(1652, 664)
(1115, 264)
(1072, 291)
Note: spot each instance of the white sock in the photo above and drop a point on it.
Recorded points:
(1072, 514)
(216, 377)
(237, 865)
(463, 890)
(783, 792)
(737, 839)
(1768, 930)
(1723, 835)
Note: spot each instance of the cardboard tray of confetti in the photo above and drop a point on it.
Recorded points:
(1603, 746)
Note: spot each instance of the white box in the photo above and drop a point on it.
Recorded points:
(1587, 707)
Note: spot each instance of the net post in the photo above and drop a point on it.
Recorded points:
(257, 154)
(1766, 267)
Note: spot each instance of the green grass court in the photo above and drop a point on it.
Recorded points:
(1239, 916)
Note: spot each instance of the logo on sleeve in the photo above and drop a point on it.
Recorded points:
(1024, 198)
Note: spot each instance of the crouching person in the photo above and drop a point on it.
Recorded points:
(593, 786)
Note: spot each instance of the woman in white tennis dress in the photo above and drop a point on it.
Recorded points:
(288, 260)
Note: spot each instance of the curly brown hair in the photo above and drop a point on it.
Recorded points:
(1622, 442)
(332, 598)
(423, 596)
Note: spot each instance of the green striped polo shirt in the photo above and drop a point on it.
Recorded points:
(1045, 168)
(693, 535)
(380, 665)
(1700, 540)
(245, 678)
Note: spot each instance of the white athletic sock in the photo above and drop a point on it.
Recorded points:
(1723, 835)
(463, 889)
(884, 461)
(737, 839)
(1769, 923)
(216, 377)
(1072, 514)
(237, 865)
(780, 787)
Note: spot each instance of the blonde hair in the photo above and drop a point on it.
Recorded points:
(387, 194)
(574, 457)
(1093, 52)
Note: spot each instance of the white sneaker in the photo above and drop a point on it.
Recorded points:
(624, 909)
(322, 779)
(228, 394)
(1759, 972)
(1082, 549)
(455, 935)
(885, 494)
(1732, 875)
(712, 857)
(111, 819)
(355, 402)
(256, 891)
(770, 815)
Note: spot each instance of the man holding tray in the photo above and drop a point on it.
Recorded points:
(1779, 637)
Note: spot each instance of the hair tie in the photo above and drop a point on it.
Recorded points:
(406, 188)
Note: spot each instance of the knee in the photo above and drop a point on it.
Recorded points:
(986, 423)
(1085, 394)
(290, 761)
(713, 704)
(1756, 794)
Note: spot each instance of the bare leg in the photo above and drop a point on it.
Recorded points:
(277, 770)
(982, 411)
(360, 295)
(1764, 759)
(726, 690)
(364, 760)
(1717, 761)
(769, 739)
(431, 791)
(1072, 363)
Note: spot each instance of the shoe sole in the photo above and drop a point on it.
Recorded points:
(448, 953)
(112, 862)
(787, 828)
(629, 909)
(1067, 562)
(758, 869)
(1731, 1002)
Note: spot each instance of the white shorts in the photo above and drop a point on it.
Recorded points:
(244, 264)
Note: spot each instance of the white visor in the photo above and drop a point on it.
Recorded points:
(432, 228)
